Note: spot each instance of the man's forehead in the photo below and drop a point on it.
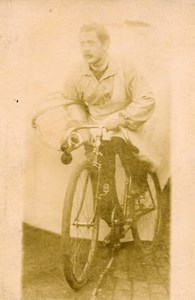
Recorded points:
(88, 35)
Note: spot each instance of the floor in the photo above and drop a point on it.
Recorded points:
(128, 277)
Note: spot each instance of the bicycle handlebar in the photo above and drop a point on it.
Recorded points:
(87, 127)
(74, 139)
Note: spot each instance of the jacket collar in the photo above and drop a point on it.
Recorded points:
(110, 71)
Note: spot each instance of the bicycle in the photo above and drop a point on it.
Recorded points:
(81, 216)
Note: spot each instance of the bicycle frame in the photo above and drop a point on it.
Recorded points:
(128, 202)
(96, 161)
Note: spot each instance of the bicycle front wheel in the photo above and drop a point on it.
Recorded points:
(80, 226)
(148, 215)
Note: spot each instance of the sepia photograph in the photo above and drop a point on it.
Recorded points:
(91, 207)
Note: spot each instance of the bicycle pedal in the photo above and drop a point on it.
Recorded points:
(114, 238)
(116, 247)
(110, 243)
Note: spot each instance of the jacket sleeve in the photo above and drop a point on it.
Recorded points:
(72, 100)
(142, 102)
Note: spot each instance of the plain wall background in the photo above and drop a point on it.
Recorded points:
(51, 48)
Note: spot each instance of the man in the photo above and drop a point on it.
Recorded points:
(114, 94)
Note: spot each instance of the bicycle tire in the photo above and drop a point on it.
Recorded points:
(78, 242)
(153, 217)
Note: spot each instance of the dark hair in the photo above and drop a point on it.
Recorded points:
(100, 30)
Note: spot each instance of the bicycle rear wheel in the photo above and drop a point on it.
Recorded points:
(148, 215)
(80, 226)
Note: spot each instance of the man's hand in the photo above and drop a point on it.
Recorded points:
(112, 124)
(116, 120)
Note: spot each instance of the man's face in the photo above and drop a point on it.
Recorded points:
(93, 50)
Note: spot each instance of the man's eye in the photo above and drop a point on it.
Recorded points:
(89, 43)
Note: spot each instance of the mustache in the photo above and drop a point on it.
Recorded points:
(87, 53)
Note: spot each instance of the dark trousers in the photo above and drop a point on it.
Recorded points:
(131, 164)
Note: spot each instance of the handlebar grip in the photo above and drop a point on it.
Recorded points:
(63, 147)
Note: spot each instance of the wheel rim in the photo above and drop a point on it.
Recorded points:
(147, 214)
(83, 228)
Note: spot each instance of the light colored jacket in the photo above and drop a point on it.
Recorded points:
(123, 92)
(120, 93)
(120, 89)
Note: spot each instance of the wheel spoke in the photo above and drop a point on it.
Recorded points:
(80, 240)
(147, 223)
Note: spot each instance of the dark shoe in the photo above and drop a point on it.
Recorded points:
(138, 193)
(114, 236)
(139, 189)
